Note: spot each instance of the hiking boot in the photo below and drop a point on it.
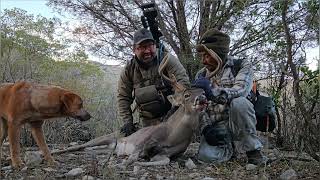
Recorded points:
(256, 157)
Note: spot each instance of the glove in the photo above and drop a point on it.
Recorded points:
(221, 99)
(204, 84)
(128, 129)
(216, 136)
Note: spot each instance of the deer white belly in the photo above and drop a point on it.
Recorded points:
(125, 148)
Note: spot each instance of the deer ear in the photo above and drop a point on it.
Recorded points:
(170, 99)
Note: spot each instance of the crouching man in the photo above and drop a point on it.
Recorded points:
(230, 115)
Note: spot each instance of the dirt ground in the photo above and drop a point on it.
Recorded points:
(100, 164)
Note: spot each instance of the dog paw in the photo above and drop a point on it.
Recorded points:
(18, 165)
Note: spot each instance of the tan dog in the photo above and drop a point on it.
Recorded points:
(25, 102)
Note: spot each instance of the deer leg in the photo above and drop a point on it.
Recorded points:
(163, 157)
(131, 159)
(158, 160)
(174, 150)
(37, 133)
(151, 148)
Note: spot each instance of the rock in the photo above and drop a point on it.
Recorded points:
(136, 170)
(263, 177)
(174, 165)
(235, 174)
(73, 143)
(74, 172)
(272, 157)
(209, 169)
(49, 169)
(131, 178)
(208, 178)
(289, 175)
(23, 170)
(194, 175)
(144, 176)
(260, 177)
(32, 178)
(6, 168)
(71, 155)
(159, 177)
(190, 164)
(250, 167)
(32, 158)
(86, 177)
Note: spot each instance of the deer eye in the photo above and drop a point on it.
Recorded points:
(186, 95)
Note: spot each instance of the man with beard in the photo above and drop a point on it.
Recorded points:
(230, 115)
(141, 82)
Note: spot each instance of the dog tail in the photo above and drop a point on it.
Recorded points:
(102, 140)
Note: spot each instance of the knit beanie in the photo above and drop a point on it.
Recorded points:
(216, 40)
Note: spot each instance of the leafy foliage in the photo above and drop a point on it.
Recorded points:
(30, 52)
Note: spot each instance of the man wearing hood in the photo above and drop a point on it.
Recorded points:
(230, 115)
(140, 81)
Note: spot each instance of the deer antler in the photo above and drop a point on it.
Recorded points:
(177, 86)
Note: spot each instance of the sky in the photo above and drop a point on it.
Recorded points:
(32, 6)
(37, 7)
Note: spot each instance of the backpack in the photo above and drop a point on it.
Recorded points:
(264, 106)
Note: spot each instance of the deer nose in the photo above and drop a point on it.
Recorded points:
(201, 99)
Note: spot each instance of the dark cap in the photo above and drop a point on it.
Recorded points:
(216, 40)
(142, 35)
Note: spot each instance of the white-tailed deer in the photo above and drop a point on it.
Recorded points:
(167, 139)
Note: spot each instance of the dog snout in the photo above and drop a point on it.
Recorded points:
(86, 117)
(83, 115)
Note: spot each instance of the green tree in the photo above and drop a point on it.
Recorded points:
(30, 52)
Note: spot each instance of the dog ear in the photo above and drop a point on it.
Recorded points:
(69, 99)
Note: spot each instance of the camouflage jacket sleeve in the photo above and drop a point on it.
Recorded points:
(124, 96)
(243, 82)
(175, 67)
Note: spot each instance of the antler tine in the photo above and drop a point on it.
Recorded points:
(176, 85)
(172, 80)
(162, 66)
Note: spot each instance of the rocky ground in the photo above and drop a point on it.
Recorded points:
(100, 164)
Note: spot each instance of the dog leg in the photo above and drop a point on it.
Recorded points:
(3, 130)
(14, 141)
(37, 133)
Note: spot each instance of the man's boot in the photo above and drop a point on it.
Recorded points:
(256, 157)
